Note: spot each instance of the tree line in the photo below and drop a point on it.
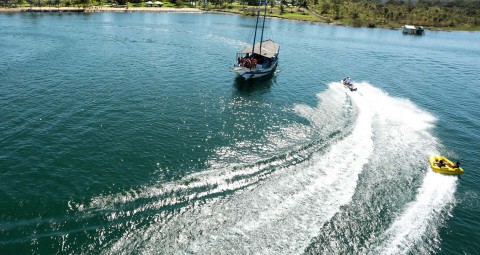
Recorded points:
(430, 13)
(434, 14)
(450, 14)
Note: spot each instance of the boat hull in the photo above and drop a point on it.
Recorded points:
(254, 73)
(413, 30)
(447, 169)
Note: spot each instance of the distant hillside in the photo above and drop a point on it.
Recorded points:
(434, 14)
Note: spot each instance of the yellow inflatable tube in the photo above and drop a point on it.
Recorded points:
(442, 165)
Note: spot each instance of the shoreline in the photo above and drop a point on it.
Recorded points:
(99, 9)
(93, 9)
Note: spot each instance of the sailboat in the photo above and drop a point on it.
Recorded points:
(259, 59)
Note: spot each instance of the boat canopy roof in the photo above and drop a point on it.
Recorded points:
(410, 27)
(269, 49)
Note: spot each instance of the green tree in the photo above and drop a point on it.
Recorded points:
(303, 4)
(179, 3)
(325, 7)
(410, 6)
(355, 15)
(217, 3)
(243, 4)
(336, 9)
(85, 3)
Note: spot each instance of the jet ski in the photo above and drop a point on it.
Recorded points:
(348, 84)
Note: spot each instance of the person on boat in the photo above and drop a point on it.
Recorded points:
(457, 165)
(441, 163)
(248, 62)
(348, 81)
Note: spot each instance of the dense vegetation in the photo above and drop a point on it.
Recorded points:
(432, 14)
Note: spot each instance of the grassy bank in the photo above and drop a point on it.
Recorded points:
(357, 13)
(454, 15)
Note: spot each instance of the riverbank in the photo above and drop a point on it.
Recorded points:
(308, 15)
(311, 15)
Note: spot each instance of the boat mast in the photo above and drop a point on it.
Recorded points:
(255, 36)
(263, 25)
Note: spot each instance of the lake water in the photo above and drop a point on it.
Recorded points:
(127, 133)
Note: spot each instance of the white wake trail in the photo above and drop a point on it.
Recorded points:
(432, 205)
(279, 215)
(408, 128)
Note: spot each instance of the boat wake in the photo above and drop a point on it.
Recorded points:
(399, 204)
(305, 195)
(422, 217)
(278, 215)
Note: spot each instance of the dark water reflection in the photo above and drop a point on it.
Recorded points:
(250, 87)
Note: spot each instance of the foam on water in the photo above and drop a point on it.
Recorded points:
(432, 205)
(423, 216)
(279, 204)
(229, 40)
(386, 190)
(279, 214)
(435, 198)
(226, 173)
(408, 129)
